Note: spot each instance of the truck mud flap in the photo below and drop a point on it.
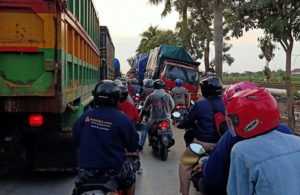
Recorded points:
(54, 152)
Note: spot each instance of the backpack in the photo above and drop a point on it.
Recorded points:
(220, 119)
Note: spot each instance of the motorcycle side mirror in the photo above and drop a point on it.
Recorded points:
(176, 114)
(140, 107)
(192, 102)
(197, 148)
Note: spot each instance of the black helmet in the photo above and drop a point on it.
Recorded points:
(106, 92)
(159, 84)
(123, 93)
(211, 86)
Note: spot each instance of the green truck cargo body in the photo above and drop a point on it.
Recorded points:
(49, 65)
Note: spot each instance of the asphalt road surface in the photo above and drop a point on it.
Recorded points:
(157, 178)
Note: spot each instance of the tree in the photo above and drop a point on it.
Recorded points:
(154, 37)
(280, 20)
(267, 49)
(218, 36)
(200, 22)
(131, 61)
(181, 6)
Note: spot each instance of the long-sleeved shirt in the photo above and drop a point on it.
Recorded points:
(215, 170)
(102, 136)
(266, 164)
(160, 105)
(203, 115)
(146, 92)
(179, 94)
(129, 110)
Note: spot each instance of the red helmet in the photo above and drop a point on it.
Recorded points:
(252, 112)
(230, 91)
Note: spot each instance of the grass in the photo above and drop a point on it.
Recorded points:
(294, 79)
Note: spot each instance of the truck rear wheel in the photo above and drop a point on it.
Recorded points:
(11, 157)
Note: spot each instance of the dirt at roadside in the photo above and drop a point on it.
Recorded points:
(282, 102)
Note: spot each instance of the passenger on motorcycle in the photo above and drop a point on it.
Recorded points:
(127, 107)
(215, 170)
(102, 136)
(266, 161)
(130, 88)
(180, 94)
(128, 98)
(147, 90)
(160, 104)
(135, 84)
(202, 118)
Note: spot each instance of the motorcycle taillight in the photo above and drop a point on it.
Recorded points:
(136, 99)
(164, 125)
(179, 107)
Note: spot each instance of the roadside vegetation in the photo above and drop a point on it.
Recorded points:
(276, 77)
(206, 23)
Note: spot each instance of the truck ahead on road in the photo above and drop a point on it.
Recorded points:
(171, 62)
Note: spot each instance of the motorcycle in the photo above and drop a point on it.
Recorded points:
(160, 138)
(196, 175)
(104, 185)
(179, 113)
(137, 102)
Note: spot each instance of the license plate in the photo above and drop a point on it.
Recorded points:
(161, 132)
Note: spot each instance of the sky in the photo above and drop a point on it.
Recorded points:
(127, 20)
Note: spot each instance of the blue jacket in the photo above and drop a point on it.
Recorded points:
(216, 168)
(102, 135)
(203, 115)
(266, 164)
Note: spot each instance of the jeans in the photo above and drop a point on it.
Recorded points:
(145, 128)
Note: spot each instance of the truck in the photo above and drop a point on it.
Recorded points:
(49, 66)
(107, 55)
(168, 63)
(139, 66)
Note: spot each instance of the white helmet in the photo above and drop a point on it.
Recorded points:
(145, 82)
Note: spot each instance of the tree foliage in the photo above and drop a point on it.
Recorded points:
(131, 61)
(267, 48)
(280, 20)
(154, 37)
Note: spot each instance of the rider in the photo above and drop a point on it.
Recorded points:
(130, 88)
(160, 104)
(268, 163)
(216, 169)
(202, 117)
(102, 136)
(135, 84)
(127, 107)
(179, 93)
(148, 89)
(118, 82)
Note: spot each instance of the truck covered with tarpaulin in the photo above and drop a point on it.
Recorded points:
(139, 66)
(117, 68)
(171, 62)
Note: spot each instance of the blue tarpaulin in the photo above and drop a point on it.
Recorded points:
(117, 63)
(140, 65)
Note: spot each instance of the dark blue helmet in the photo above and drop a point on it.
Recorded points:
(178, 82)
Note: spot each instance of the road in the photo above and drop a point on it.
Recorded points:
(158, 177)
